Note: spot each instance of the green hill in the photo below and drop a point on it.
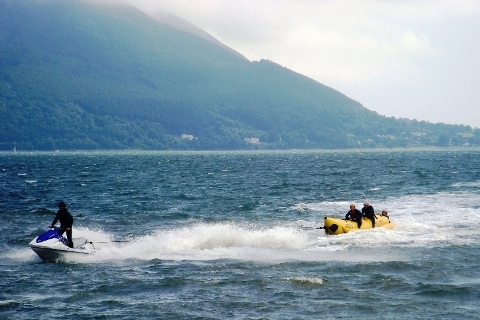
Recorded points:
(79, 75)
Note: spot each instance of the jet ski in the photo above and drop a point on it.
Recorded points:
(52, 246)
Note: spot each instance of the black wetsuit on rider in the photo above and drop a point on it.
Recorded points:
(66, 222)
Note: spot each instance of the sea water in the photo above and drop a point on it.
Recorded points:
(237, 235)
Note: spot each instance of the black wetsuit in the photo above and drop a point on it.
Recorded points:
(369, 213)
(66, 221)
(355, 215)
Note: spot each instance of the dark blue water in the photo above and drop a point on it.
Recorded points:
(235, 235)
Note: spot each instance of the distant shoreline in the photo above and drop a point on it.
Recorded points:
(240, 151)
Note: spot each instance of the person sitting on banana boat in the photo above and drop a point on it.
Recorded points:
(385, 214)
(369, 213)
(354, 215)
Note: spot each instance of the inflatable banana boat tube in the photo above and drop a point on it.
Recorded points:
(339, 226)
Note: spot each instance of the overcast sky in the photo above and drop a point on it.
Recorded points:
(403, 58)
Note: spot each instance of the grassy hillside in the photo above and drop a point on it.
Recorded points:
(78, 75)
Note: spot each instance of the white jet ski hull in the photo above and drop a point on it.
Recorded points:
(54, 248)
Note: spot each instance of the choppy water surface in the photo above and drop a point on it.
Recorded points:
(219, 235)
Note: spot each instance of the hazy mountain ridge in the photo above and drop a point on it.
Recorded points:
(183, 25)
(79, 75)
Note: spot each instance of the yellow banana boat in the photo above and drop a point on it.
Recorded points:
(339, 226)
